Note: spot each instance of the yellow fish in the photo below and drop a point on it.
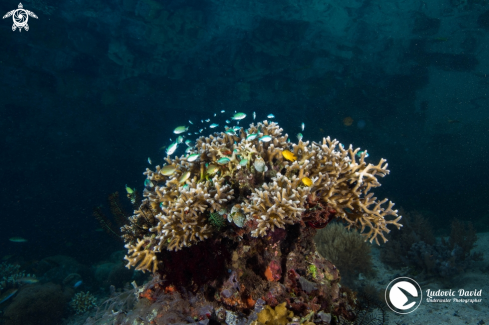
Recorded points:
(306, 181)
(168, 170)
(184, 177)
(212, 169)
(289, 155)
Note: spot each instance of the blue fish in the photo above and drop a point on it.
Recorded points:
(79, 283)
(7, 295)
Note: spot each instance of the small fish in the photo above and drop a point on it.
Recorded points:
(212, 169)
(148, 183)
(171, 148)
(188, 150)
(77, 284)
(271, 116)
(184, 177)
(230, 132)
(222, 111)
(180, 129)
(299, 136)
(251, 137)
(360, 153)
(129, 190)
(201, 121)
(213, 125)
(190, 122)
(196, 132)
(7, 295)
(179, 139)
(200, 131)
(193, 157)
(303, 126)
(223, 161)
(236, 128)
(168, 170)
(289, 155)
(227, 121)
(188, 142)
(149, 161)
(208, 120)
(186, 187)
(265, 138)
(243, 162)
(27, 280)
(190, 133)
(239, 116)
(17, 240)
(306, 181)
(254, 115)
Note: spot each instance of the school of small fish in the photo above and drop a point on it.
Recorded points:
(211, 169)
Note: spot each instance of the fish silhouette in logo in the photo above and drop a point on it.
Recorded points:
(410, 298)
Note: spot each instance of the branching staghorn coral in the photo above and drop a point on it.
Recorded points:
(278, 204)
(344, 183)
(241, 177)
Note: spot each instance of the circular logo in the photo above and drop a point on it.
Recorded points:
(403, 295)
(20, 18)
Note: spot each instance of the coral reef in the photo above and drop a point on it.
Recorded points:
(235, 226)
(415, 228)
(417, 248)
(9, 274)
(38, 304)
(270, 316)
(83, 302)
(347, 250)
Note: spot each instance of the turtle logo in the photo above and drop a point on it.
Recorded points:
(20, 17)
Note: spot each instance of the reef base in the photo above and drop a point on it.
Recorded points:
(276, 279)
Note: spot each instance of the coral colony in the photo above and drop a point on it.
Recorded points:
(234, 226)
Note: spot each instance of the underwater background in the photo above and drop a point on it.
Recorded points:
(94, 88)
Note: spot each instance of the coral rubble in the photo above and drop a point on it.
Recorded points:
(235, 227)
